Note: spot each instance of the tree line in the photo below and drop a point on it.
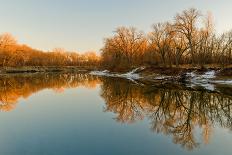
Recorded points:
(189, 39)
(13, 54)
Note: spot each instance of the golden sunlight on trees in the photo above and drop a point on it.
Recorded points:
(124, 49)
(13, 55)
(6, 40)
(161, 42)
(186, 24)
(189, 39)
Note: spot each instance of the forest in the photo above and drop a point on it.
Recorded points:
(190, 39)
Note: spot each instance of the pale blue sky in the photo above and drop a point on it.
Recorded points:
(81, 25)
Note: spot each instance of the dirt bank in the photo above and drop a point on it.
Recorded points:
(35, 69)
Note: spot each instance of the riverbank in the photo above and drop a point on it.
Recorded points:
(196, 78)
(199, 78)
(44, 69)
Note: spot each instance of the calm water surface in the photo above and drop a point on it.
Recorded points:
(90, 115)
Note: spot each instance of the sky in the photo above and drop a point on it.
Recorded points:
(82, 25)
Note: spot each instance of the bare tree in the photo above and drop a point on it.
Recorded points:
(206, 41)
(161, 39)
(180, 48)
(186, 24)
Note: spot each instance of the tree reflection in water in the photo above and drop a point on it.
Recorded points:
(14, 87)
(175, 111)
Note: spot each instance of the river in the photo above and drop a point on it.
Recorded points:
(92, 115)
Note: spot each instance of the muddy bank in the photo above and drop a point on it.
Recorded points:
(41, 69)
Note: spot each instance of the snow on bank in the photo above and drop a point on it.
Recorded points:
(163, 77)
(226, 82)
(132, 75)
(100, 73)
(209, 75)
(203, 80)
(193, 79)
(206, 80)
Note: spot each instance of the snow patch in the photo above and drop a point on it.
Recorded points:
(162, 77)
(227, 82)
(100, 73)
(209, 75)
(132, 75)
(203, 80)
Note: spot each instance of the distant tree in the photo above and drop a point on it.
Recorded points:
(92, 59)
(6, 40)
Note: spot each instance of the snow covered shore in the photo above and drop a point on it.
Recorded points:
(206, 80)
(132, 75)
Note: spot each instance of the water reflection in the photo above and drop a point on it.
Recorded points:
(174, 111)
(14, 87)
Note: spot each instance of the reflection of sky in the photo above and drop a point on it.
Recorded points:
(82, 24)
(74, 123)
